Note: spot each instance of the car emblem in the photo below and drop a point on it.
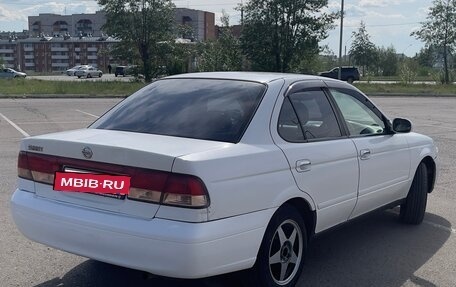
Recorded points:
(87, 152)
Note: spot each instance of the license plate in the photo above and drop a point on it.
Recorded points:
(101, 184)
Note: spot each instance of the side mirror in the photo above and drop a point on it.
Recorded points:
(402, 125)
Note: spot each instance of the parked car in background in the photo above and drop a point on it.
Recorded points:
(72, 71)
(126, 70)
(349, 74)
(212, 173)
(10, 73)
(88, 72)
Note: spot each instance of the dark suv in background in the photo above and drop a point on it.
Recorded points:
(349, 74)
(126, 70)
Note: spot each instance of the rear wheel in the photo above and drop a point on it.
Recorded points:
(350, 80)
(414, 208)
(99, 75)
(281, 256)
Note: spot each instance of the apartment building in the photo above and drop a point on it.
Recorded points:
(8, 52)
(56, 54)
(202, 23)
(58, 42)
(76, 24)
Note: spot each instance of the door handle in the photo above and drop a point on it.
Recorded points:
(364, 154)
(303, 165)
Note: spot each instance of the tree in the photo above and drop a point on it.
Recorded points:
(387, 61)
(363, 51)
(277, 33)
(439, 30)
(223, 54)
(143, 26)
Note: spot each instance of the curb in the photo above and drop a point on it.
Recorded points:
(91, 96)
(411, 95)
(59, 96)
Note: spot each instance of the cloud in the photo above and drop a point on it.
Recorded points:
(8, 15)
(383, 3)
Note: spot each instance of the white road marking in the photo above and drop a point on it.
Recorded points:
(89, 114)
(15, 126)
(433, 224)
(449, 229)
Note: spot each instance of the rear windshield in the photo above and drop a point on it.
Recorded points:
(208, 109)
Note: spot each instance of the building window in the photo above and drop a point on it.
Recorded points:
(60, 26)
(84, 27)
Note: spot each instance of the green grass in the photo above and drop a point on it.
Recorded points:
(33, 87)
(94, 88)
(396, 78)
(415, 89)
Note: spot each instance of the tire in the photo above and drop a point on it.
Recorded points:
(287, 255)
(414, 208)
(100, 74)
(350, 80)
(89, 75)
(115, 75)
(79, 77)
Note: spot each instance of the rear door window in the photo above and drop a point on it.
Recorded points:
(209, 109)
(308, 115)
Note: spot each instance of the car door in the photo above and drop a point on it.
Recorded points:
(384, 157)
(322, 159)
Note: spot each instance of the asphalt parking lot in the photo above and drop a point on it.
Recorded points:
(375, 250)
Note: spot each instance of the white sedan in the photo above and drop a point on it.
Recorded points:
(202, 174)
(88, 72)
(72, 71)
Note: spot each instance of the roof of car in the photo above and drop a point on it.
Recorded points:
(262, 77)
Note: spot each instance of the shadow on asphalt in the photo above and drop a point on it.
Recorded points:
(375, 250)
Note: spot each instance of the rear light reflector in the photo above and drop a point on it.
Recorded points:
(145, 185)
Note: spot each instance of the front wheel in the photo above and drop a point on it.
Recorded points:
(281, 256)
(414, 208)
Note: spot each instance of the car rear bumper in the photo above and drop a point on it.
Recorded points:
(159, 246)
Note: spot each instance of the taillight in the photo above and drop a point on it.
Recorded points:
(169, 188)
(36, 167)
(146, 185)
(185, 190)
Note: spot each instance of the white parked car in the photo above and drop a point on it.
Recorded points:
(221, 172)
(88, 72)
(72, 71)
(10, 73)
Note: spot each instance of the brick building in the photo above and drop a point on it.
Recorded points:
(55, 54)
(59, 42)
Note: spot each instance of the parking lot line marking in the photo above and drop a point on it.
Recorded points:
(433, 224)
(89, 114)
(15, 126)
(451, 230)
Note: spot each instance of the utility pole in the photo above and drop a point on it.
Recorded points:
(242, 13)
(341, 36)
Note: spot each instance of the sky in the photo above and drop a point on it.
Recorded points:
(388, 22)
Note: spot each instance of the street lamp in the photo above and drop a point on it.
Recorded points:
(341, 36)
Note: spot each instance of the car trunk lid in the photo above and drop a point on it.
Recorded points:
(110, 152)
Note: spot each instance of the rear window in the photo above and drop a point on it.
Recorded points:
(208, 109)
